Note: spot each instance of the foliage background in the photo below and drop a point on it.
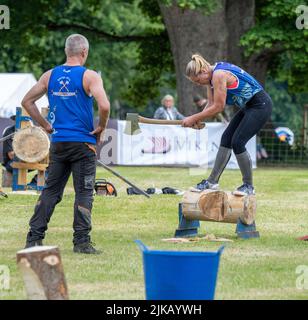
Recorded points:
(130, 47)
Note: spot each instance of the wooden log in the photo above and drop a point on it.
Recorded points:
(43, 274)
(31, 144)
(219, 206)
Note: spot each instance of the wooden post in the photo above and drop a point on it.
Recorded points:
(43, 273)
(219, 206)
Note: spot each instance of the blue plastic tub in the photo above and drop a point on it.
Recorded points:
(179, 275)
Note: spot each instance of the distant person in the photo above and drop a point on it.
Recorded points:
(201, 103)
(168, 111)
(261, 151)
(8, 152)
(71, 89)
(227, 83)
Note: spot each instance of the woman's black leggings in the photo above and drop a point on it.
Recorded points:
(247, 122)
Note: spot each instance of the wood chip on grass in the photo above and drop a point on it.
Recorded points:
(209, 237)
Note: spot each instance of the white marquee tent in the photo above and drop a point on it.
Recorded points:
(13, 87)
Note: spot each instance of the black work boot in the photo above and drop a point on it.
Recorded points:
(86, 247)
(34, 243)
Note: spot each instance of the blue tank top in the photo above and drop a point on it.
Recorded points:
(70, 108)
(246, 87)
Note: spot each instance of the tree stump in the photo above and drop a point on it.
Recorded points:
(43, 274)
(219, 206)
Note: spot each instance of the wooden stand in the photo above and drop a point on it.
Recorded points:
(217, 206)
(20, 167)
(43, 274)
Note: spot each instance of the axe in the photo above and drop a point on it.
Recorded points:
(122, 178)
(133, 119)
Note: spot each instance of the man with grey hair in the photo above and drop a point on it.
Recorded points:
(71, 89)
(75, 43)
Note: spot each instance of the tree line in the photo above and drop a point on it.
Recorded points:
(141, 47)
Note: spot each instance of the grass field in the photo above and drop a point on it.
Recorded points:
(250, 269)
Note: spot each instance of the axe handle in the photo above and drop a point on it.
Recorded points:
(160, 121)
(122, 178)
(7, 137)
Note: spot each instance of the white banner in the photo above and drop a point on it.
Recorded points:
(215, 131)
(174, 145)
(162, 145)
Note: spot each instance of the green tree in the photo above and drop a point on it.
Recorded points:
(142, 46)
(284, 45)
(288, 108)
(35, 42)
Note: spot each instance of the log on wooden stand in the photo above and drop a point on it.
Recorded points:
(220, 206)
(31, 144)
(31, 147)
(43, 274)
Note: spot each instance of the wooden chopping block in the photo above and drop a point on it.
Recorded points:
(43, 274)
(219, 206)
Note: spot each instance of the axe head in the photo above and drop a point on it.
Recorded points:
(132, 124)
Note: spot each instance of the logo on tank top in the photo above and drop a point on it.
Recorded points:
(64, 88)
(52, 117)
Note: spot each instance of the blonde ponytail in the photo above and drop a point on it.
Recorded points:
(196, 65)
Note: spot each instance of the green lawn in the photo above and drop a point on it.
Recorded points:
(250, 269)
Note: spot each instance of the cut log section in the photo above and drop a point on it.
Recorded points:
(31, 144)
(43, 273)
(219, 206)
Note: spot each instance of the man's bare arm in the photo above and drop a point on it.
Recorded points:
(96, 88)
(35, 93)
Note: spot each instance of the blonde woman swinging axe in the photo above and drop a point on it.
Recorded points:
(227, 83)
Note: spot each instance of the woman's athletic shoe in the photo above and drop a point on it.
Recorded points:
(203, 185)
(244, 190)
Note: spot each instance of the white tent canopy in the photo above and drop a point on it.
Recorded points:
(13, 87)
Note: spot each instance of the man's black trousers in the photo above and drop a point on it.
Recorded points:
(66, 158)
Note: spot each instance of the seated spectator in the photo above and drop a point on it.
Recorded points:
(201, 103)
(8, 152)
(168, 111)
(261, 151)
